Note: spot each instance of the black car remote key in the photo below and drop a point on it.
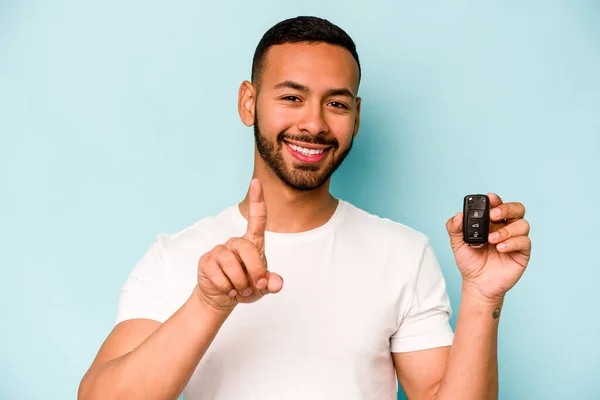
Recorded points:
(476, 219)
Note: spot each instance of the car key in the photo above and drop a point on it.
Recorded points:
(476, 219)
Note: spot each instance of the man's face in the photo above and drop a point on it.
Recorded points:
(306, 113)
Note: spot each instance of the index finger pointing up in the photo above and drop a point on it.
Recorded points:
(257, 216)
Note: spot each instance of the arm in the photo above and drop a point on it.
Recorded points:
(472, 369)
(468, 369)
(420, 372)
(142, 359)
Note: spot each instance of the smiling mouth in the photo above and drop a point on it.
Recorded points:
(310, 154)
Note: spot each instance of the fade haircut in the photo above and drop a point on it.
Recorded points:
(301, 30)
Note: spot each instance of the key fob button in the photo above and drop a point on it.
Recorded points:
(476, 234)
(476, 224)
(475, 214)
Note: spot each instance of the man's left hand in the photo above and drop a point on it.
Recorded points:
(491, 271)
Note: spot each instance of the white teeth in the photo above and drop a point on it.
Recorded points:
(308, 152)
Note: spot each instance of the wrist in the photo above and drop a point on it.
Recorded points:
(471, 293)
(473, 303)
(203, 306)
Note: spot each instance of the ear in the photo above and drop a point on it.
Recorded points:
(247, 103)
(357, 119)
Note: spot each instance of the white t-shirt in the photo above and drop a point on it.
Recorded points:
(355, 290)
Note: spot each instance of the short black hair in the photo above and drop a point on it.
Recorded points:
(298, 30)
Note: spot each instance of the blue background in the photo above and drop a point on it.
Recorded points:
(118, 120)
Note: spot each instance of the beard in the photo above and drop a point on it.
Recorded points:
(302, 177)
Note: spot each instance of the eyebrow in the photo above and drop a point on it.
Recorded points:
(292, 85)
(301, 88)
(339, 92)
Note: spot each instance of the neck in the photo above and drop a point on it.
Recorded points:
(290, 210)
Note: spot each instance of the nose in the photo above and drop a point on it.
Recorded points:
(313, 121)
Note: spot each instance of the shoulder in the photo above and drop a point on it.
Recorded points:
(202, 234)
(387, 240)
(384, 229)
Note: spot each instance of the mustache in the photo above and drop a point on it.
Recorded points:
(307, 139)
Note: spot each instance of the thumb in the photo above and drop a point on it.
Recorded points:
(455, 230)
(257, 216)
(275, 282)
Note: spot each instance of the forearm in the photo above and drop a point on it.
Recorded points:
(472, 369)
(161, 366)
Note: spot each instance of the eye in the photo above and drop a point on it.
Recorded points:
(337, 104)
(291, 98)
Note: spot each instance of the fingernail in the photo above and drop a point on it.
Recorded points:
(494, 236)
(247, 292)
(501, 246)
(232, 293)
(456, 218)
(261, 283)
(496, 213)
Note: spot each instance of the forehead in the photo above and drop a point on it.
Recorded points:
(316, 65)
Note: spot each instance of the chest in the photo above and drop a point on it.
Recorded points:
(332, 308)
(329, 326)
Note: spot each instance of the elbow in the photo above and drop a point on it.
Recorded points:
(434, 391)
(96, 384)
(84, 391)
(88, 387)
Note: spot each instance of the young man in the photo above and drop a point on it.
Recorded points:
(364, 299)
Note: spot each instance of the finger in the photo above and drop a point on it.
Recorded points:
(519, 227)
(510, 211)
(495, 200)
(455, 230)
(519, 243)
(247, 252)
(454, 224)
(257, 216)
(218, 278)
(275, 282)
(233, 269)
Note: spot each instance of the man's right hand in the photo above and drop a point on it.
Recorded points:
(236, 271)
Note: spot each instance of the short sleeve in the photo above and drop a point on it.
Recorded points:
(427, 322)
(144, 294)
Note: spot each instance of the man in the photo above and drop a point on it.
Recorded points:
(364, 301)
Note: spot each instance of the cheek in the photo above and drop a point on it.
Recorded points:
(276, 120)
(342, 127)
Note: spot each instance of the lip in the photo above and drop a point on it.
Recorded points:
(307, 145)
(312, 159)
